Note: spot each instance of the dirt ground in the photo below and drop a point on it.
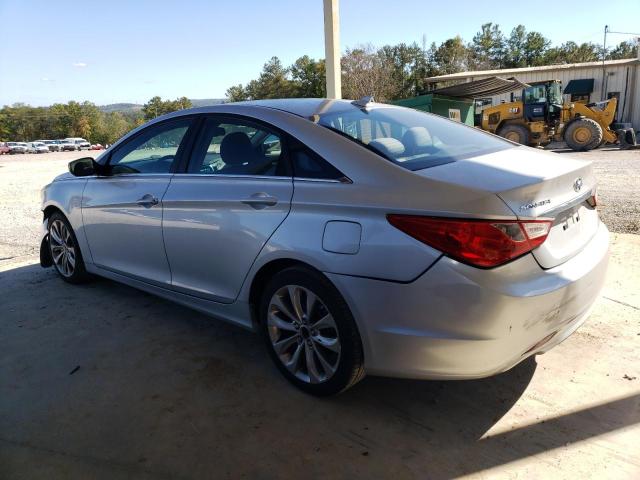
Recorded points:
(104, 381)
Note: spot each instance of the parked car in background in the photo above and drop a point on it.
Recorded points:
(39, 147)
(66, 145)
(355, 237)
(17, 147)
(51, 144)
(4, 148)
(80, 143)
(96, 146)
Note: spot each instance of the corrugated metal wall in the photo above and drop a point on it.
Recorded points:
(624, 79)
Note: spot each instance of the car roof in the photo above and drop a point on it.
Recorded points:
(302, 107)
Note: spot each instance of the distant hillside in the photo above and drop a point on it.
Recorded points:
(205, 102)
(120, 107)
(135, 107)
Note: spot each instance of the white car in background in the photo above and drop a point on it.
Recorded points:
(66, 145)
(52, 145)
(79, 143)
(38, 147)
(17, 147)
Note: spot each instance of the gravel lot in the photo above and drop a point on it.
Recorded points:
(104, 381)
(22, 176)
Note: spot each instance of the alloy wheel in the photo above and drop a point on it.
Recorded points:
(63, 249)
(304, 334)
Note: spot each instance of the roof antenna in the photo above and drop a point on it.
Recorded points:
(363, 102)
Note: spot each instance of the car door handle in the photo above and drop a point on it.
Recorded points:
(148, 201)
(260, 200)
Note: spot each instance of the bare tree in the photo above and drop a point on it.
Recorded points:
(364, 72)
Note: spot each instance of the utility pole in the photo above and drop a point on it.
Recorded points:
(332, 48)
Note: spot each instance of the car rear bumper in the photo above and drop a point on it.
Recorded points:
(459, 322)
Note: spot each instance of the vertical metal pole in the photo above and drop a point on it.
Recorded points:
(604, 69)
(332, 48)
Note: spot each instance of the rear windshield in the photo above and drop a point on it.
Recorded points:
(412, 139)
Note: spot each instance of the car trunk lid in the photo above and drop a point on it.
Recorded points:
(534, 185)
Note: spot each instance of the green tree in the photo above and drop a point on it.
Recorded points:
(571, 52)
(487, 47)
(156, 106)
(237, 93)
(452, 56)
(624, 50)
(308, 78)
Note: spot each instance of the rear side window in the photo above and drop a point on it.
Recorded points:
(307, 164)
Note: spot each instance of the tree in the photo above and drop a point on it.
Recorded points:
(237, 93)
(535, 46)
(571, 52)
(273, 82)
(624, 50)
(156, 106)
(308, 77)
(409, 68)
(364, 72)
(515, 55)
(452, 56)
(487, 47)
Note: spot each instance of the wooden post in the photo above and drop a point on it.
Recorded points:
(332, 48)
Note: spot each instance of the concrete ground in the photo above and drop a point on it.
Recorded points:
(104, 381)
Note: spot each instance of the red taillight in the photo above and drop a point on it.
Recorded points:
(482, 243)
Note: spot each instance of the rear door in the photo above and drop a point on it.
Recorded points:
(122, 212)
(219, 213)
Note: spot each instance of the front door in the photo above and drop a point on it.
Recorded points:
(219, 214)
(122, 212)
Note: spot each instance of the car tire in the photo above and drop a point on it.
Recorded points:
(65, 252)
(316, 346)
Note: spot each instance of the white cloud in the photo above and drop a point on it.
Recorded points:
(46, 79)
(79, 64)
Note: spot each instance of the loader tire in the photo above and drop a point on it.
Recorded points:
(515, 133)
(583, 134)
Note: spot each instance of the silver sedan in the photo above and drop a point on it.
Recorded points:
(355, 237)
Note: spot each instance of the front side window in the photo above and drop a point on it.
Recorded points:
(535, 94)
(410, 138)
(152, 151)
(236, 147)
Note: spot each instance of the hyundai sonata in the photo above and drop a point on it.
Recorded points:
(356, 237)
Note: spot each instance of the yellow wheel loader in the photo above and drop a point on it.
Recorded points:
(541, 116)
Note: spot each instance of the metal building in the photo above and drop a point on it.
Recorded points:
(582, 82)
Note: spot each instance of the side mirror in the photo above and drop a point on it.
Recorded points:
(84, 167)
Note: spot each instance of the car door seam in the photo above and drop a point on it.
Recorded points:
(293, 187)
(164, 245)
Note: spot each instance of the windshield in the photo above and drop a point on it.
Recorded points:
(410, 138)
(555, 93)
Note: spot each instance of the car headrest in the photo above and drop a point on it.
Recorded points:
(416, 140)
(390, 147)
(218, 132)
(236, 148)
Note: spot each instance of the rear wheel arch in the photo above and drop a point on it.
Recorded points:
(262, 277)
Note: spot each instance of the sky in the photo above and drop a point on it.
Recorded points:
(128, 51)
